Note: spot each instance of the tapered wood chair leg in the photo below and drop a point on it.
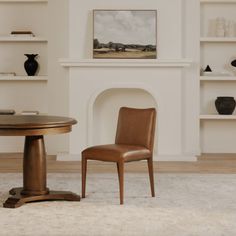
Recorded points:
(120, 169)
(84, 173)
(151, 175)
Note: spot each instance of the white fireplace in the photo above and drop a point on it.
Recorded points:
(99, 87)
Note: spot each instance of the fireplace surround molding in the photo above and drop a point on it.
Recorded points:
(89, 78)
(99, 91)
(74, 62)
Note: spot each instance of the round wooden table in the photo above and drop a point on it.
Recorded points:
(34, 163)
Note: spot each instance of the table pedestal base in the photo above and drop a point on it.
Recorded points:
(19, 199)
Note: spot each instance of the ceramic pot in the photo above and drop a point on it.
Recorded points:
(233, 63)
(225, 105)
(31, 65)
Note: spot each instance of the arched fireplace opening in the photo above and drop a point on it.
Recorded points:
(106, 107)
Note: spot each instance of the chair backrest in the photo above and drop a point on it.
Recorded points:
(136, 127)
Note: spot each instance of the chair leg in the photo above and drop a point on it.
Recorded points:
(151, 175)
(120, 169)
(84, 172)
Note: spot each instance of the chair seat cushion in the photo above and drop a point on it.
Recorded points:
(115, 152)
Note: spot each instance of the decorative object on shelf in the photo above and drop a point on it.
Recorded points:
(212, 28)
(233, 63)
(220, 26)
(22, 33)
(7, 74)
(7, 112)
(230, 29)
(125, 34)
(29, 112)
(207, 70)
(225, 105)
(31, 65)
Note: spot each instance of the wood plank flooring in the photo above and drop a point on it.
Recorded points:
(12, 163)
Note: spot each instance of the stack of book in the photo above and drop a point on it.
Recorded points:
(29, 112)
(7, 74)
(7, 112)
(22, 33)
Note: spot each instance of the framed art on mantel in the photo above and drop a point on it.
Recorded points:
(125, 34)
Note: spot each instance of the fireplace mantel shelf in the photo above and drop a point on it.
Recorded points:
(69, 62)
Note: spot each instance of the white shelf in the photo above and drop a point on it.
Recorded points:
(218, 1)
(218, 78)
(124, 62)
(23, 78)
(21, 39)
(218, 39)
(217, 117)
(13, 1)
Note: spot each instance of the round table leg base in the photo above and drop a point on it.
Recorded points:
(34, 193)
(18, 199)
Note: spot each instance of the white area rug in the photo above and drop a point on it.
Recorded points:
(186, 205)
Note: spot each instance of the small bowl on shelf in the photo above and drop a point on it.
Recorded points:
(225, 105)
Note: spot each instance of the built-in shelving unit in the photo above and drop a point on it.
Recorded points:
(17, 89)
(13, 47)
(217, 52)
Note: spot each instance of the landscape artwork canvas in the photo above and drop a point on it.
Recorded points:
(125, 34)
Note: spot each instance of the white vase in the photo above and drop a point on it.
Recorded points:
(220, 27)
(212, 28)
(230, 29)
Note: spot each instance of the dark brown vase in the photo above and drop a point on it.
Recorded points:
(31, 65)
(225, 105)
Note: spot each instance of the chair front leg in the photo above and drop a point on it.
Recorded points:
(151, 175)
(120, 169)
(84, 172)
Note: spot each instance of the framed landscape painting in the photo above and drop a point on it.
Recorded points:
(125, 34)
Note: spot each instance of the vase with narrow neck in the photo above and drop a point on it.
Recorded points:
(31, 65)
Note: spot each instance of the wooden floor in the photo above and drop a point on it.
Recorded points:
(207, 163)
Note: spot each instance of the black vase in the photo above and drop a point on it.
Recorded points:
(31, 65)
(233, 63)
(225, 105)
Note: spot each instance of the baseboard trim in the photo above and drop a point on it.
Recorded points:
(77, 157)
(64, 156)
(19, 155)
(183, 157)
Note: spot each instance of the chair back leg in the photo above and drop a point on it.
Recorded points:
(120, 169)
(151, 175)
(84, 172)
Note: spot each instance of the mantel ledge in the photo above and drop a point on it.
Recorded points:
(70, 62)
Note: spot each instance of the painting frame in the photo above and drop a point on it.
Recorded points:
(124, 48)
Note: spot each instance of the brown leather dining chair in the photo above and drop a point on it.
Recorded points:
(134, 142)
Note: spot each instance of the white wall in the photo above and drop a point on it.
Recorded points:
(169, 32)
(58, 84)
(216, 136)
(190, 96)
